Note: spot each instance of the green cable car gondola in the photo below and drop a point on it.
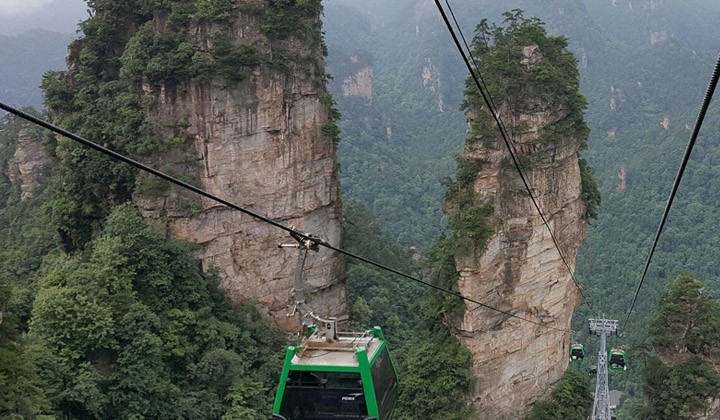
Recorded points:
(339, 376)
(333, 375)
(617, 360)
(577, 352)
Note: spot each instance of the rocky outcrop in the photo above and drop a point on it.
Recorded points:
(258, 143)
(24, 163)
(521, 272)
(359, 85)
(519, 269)
(431, 81)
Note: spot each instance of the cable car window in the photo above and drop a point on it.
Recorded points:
(385, 384)
(323, 396)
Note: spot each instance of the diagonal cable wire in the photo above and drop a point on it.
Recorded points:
(292, 231)
(686, 158)
(491, 105)
(477, 69)
(508, 144)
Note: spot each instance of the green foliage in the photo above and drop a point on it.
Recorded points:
(213, 11)
(100, 99)
(436, 378)
(471, 228)
(525, 69)
(285, 18)
(21, 394)
(229, 60)
(88, 183)
(687, 320)
(571, 399)
(680, 391)
(434, 368)
(683, 378)
(154, 58)
(397, 145)
(398, 175)
(439, 306)
(459, 190)
(589, 192)
(469, 222)
(374, 296)
(168, 58)
(136, 330)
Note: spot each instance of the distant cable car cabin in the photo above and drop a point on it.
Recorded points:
(617, 360)
(577, 352)
(332, 375)
(339, 376)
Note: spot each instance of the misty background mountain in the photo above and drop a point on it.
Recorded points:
(644, 65)
(644, 69)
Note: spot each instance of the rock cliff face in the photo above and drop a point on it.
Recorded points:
(260, 144)
(519, 270)
(359, 85)
(27, 166)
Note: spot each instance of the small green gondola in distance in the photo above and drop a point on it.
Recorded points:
(577, 352)
(342, 376)
(618, 361)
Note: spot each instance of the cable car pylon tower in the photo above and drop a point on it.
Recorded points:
(601, 404)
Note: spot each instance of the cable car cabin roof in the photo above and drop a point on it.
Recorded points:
(318, 352)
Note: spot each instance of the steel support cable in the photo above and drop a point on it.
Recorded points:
(510, 148)
(492, 105)
(686, 158)
(292, 231)
(477, 68)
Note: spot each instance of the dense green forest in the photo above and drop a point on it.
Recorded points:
(128, 328)
(101, 316)
(104, 318)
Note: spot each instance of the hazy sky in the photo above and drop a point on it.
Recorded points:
(18, 16)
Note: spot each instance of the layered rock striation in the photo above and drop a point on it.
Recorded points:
(259, 143)
(227, 96)
(517, 267)
(521, 272)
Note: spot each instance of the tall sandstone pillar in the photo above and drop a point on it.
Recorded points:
(518, 269)
(258, 141)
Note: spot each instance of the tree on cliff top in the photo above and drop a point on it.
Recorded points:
(521, 64)
(682, 380)
(688, 321)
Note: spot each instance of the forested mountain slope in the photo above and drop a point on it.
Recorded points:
(99, 299)
(399, 97)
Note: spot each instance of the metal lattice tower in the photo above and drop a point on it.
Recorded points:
(601, 405)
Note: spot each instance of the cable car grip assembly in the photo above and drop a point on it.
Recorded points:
(328, 327)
